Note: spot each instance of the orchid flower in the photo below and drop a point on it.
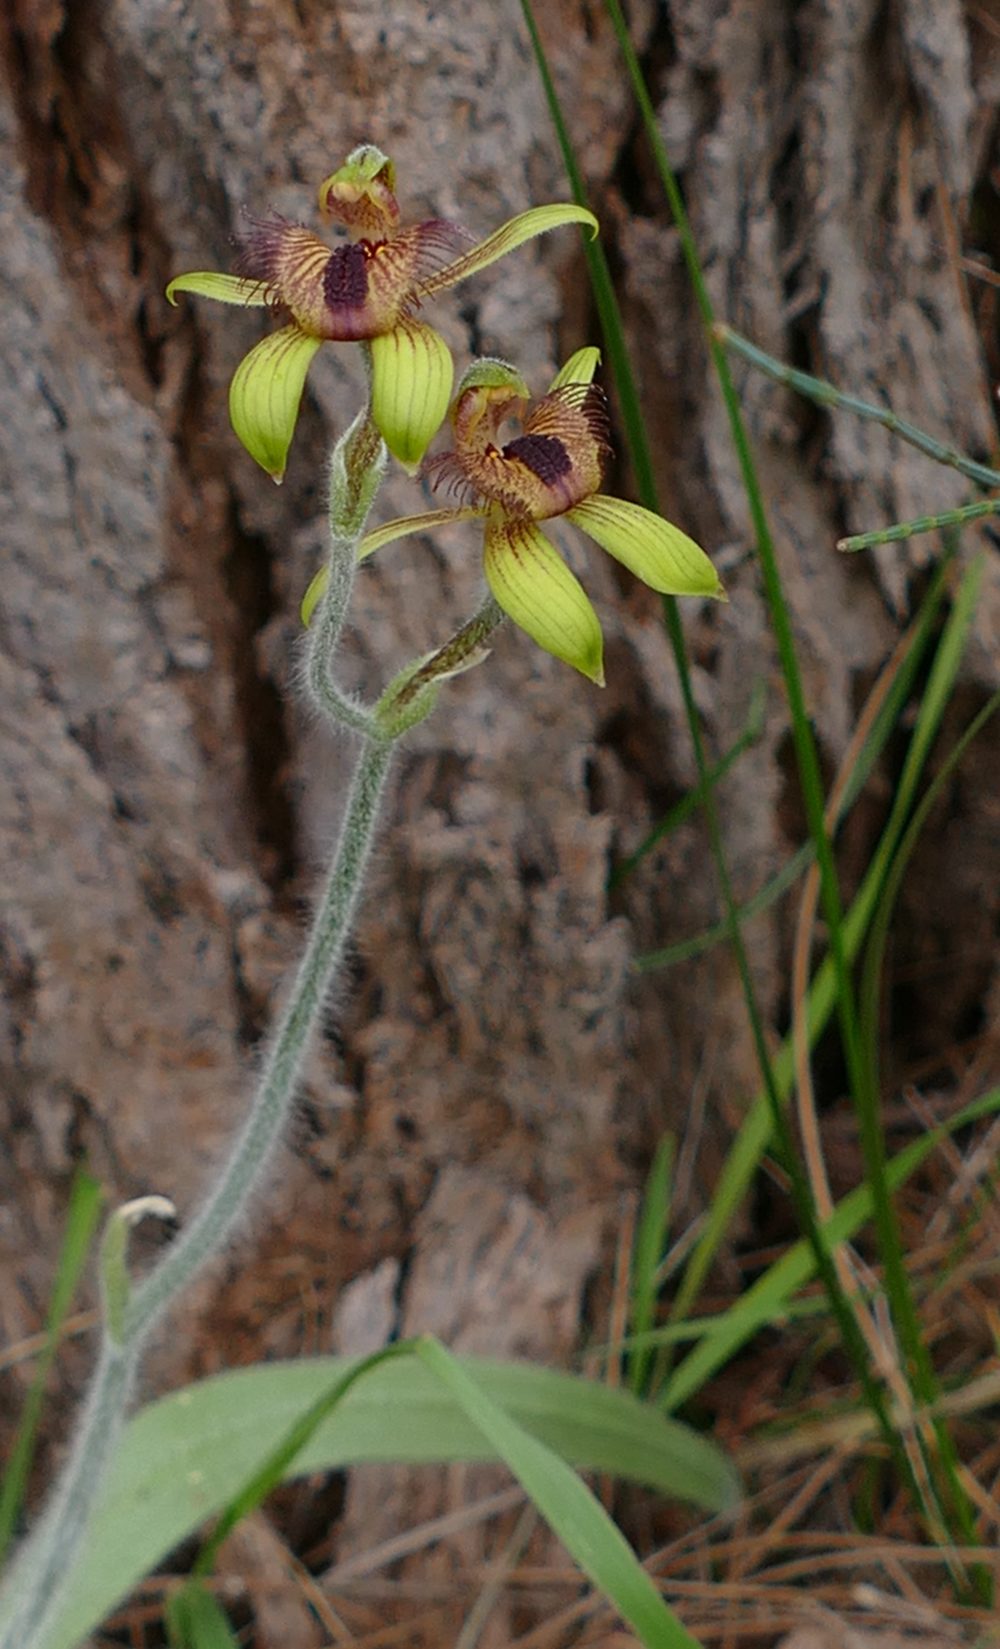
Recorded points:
(365, 290)
(553, 468)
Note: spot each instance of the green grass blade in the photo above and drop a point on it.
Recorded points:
(694, 1329)
(605, 297)
(637, 441)
(925, 523)
(650, 1240)
(85, 1201)
(639, 452)
(897, 1284)
(639, 447)
(941, 681)
(683, 950)
(752, 1140)
(196, 1620)
(567, 1505)
(704, 1361)
(808, 767)
(885, 721)
(769, 1296)
(823, 393)
(807, 761)
(917, 1368)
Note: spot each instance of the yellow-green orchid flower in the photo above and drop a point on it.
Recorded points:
(554, 467)
(367, 289)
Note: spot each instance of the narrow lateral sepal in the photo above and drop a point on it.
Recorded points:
(660, 554)
(211, 283)
(537, 220)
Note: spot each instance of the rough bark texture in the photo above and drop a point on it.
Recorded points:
(493, 1076)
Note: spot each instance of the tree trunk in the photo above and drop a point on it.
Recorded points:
(494, 1076)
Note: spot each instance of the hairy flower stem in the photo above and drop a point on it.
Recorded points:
(336, 705)
(35, 1582)
(47, 1556)
(356, 469)
(286, 1056)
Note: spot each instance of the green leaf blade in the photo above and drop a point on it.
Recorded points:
(187, 1456)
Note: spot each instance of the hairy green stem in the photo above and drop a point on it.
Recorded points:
(356, 470)
(36, 1580)
(324, 633)
(46, 1558)
(287, 1053)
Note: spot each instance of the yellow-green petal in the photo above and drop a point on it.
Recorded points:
(209, 283)
(314, 595)
(406, 524)
(661, 555)
(579, 369)
(534, 586)
(379, 536)
(265, 393)
(514, 233)
(411, 388)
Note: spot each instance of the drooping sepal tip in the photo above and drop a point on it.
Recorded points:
(537, 220)
(210, 283)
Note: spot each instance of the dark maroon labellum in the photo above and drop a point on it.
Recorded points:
(345, 279)
(544, 455)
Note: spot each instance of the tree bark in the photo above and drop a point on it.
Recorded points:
(494, 1077)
